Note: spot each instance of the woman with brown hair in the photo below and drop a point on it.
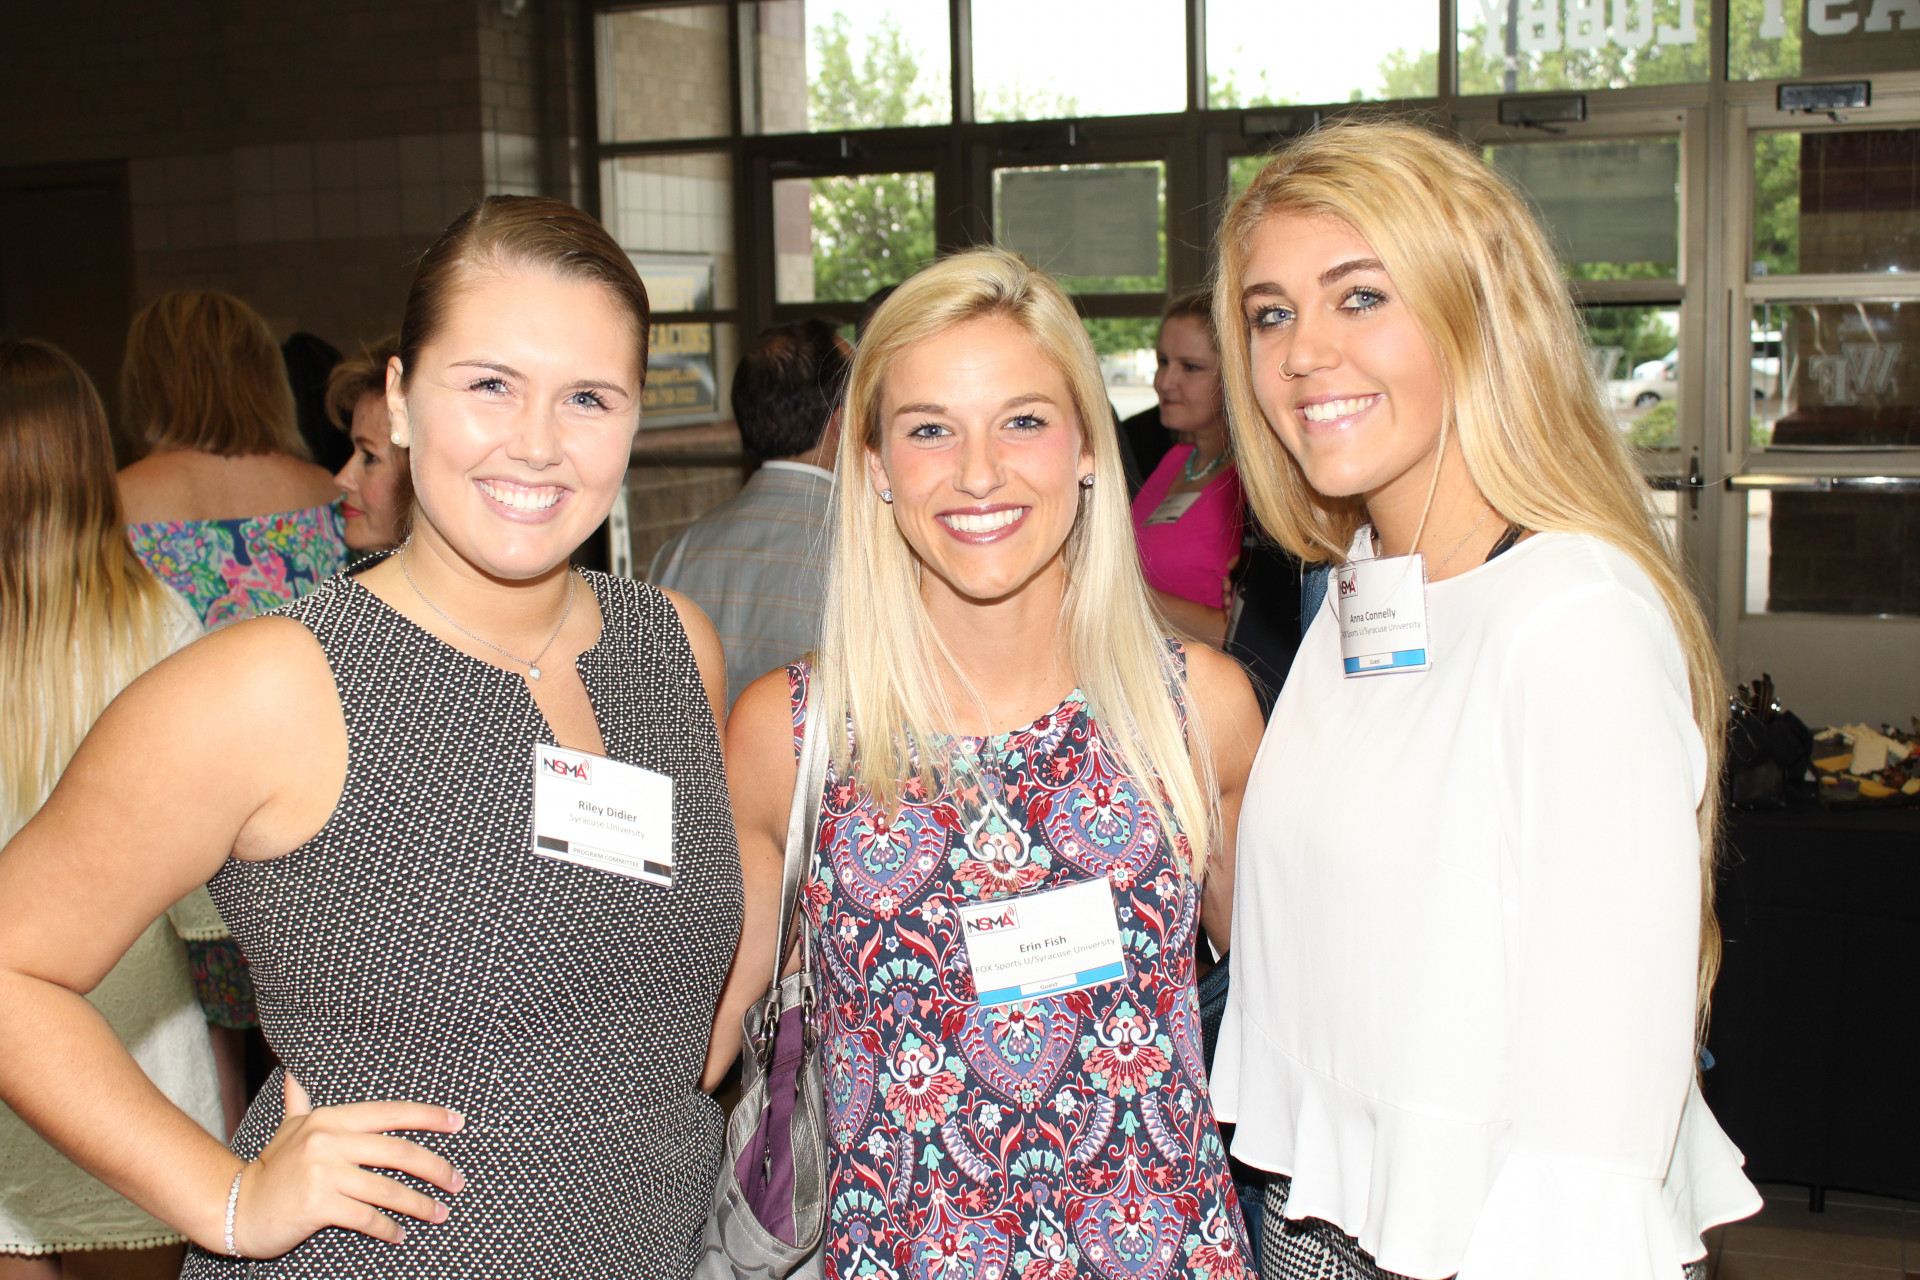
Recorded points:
(79, 619)
(226, 508)
(376, 506)
(464, 810)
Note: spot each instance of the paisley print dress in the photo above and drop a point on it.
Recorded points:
(1061, 1137)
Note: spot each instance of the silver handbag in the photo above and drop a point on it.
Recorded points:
(770, 1207)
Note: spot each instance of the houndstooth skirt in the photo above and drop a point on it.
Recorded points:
(1309, 1249)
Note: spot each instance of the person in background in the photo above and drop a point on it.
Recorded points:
(376, 480)
(310, 361)
(757, 563)
(1188, 516)
(1473, 933)
(225, 507)
(80, 617)
(356, 774)
(1009, 723)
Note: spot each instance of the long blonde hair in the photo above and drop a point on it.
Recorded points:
(1534, 428)
(880, 657)
(80, 616)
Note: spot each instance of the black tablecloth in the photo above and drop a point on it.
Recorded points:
(1816, 1018)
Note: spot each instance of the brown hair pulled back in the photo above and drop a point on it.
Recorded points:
(1196, 305)
(519, 231)
(203, 372)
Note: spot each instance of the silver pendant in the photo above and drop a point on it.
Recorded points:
(533, 673)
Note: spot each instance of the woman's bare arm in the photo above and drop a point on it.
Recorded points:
(1223, 697)
(1208, 626)
(760, 775)
(236, 744)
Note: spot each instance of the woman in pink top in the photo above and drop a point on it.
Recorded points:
(1188, 516)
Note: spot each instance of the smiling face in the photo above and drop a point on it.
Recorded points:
(982, 448)
(1362, 414)
(1187, 377)
(520, 414)
(374, 479)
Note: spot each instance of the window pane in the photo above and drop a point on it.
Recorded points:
(675, 210)
(1515, 46)
(663, 74)
(1843, 552)
(1612, 208)
(1125, 347)
(1636, 356)
(1836, 375)
(1783, 39)
(1063, 58)
(851, 64)
(1100, 228)
(1827, 202)
(1281, 52)
(838, 239)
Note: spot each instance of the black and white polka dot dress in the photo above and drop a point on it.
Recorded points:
(416, 949)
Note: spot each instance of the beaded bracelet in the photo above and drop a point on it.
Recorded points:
(233, 1202)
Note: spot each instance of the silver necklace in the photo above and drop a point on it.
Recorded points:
(533, 667)
(1463, 541)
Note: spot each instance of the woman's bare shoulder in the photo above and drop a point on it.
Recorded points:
(186, 484)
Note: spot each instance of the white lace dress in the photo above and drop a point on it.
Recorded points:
(47, 1204)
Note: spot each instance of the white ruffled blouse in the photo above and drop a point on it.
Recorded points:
(1465, 933)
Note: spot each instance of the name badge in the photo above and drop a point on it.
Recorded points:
(1382, 609)
(1044, 944)
(1172, 507)
(601, 813)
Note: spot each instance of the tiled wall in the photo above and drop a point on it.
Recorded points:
(300, 153)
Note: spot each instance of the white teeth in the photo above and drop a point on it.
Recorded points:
(521, 499)
(964, 522)
(1330, 410)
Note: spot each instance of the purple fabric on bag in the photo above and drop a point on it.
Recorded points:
(771, 1197)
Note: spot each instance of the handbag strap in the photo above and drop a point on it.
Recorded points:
(803, 821)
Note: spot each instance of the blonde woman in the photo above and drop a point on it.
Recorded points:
(79, 619)
(1028, 814)
(1474, 928)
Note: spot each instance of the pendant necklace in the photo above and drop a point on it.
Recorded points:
(533, 665)
(1188, 474)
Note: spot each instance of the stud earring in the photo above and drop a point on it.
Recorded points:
(886, 496)
(1086, 482)
(397, 438)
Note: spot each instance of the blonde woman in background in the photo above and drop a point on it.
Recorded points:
(225, 507)
(1020, 734)
(376, 486)
(1474, 932)
(79, 619)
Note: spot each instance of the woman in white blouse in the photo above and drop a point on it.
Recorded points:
(1473, 933)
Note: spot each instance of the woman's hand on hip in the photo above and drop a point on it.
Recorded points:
(318, 1172)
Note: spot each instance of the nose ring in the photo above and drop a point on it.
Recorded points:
(1284, 374)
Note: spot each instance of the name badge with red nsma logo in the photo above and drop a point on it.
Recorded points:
(601, 813)
(1043, 944)
(1381, 606)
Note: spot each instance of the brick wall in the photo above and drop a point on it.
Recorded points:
(1845, 553)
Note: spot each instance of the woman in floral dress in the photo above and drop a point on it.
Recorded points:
(225, 507)
(1006, 684)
